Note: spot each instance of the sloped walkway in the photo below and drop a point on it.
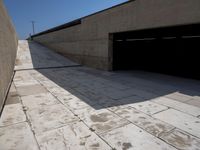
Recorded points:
(55, 104)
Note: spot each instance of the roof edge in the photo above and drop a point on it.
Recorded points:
(77, 21)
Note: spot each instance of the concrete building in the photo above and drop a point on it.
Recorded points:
(153, 35)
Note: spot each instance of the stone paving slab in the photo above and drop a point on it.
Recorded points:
(148, 107)
(192, 110)
(30, 90)
(179, 96)
(50, 117)
(12, 114)
(17, 137)
(12, 98)
(100, 120)
(195, 101)
(182, 140)
(23, 78)
(131, 137)
(76, 136)
(78, 102)
(146, 122)
(180, 120)
(38, 100)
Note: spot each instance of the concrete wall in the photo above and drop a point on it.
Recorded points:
(88, 43)
(8, 47)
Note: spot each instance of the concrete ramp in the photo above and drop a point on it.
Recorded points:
(33, 55)
(53, 104)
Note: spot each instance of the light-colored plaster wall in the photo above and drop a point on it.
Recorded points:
(8, 48)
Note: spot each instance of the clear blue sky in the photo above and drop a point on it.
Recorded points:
(51, 13)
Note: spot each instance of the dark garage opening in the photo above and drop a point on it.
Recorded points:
(170, 50)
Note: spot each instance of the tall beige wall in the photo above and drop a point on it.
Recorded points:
(88, 43)
(8, 47)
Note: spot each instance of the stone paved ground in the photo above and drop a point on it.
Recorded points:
(55, 104)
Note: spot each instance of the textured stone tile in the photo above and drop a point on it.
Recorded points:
(146, 122)
(57, 91)
(38, 100)
(179, 96)
(12, 114)
(12, 88)
(50, 117)
(37, 75)
(133, 138)
(31, 90)
(11, 99)
(74, 136)
(195, 101)
(182, 140)
(192, 110)
(100, 120)
(78, 102)
(23, 78)
(181, 120)
(17, 137)
(148, 107)
(12, 95)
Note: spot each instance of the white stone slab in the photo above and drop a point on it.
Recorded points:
(23, 78)
(100, 120)
(148, 107)
(146, 122)
(182, 140)
(78, 102)
(75, 136)
(181, 120)
(31, 90)
(195, 101)
(179, 96)
(131, 137)
(12, 114)
(17, 137)
(50, 117)
(192, 110)
(39, 100)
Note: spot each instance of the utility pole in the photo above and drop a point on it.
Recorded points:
(33, 26)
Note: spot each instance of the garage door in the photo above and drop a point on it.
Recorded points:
(171, 50)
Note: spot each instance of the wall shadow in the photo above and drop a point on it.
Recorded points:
(101, 89)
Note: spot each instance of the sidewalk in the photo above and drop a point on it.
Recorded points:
(56, 104)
